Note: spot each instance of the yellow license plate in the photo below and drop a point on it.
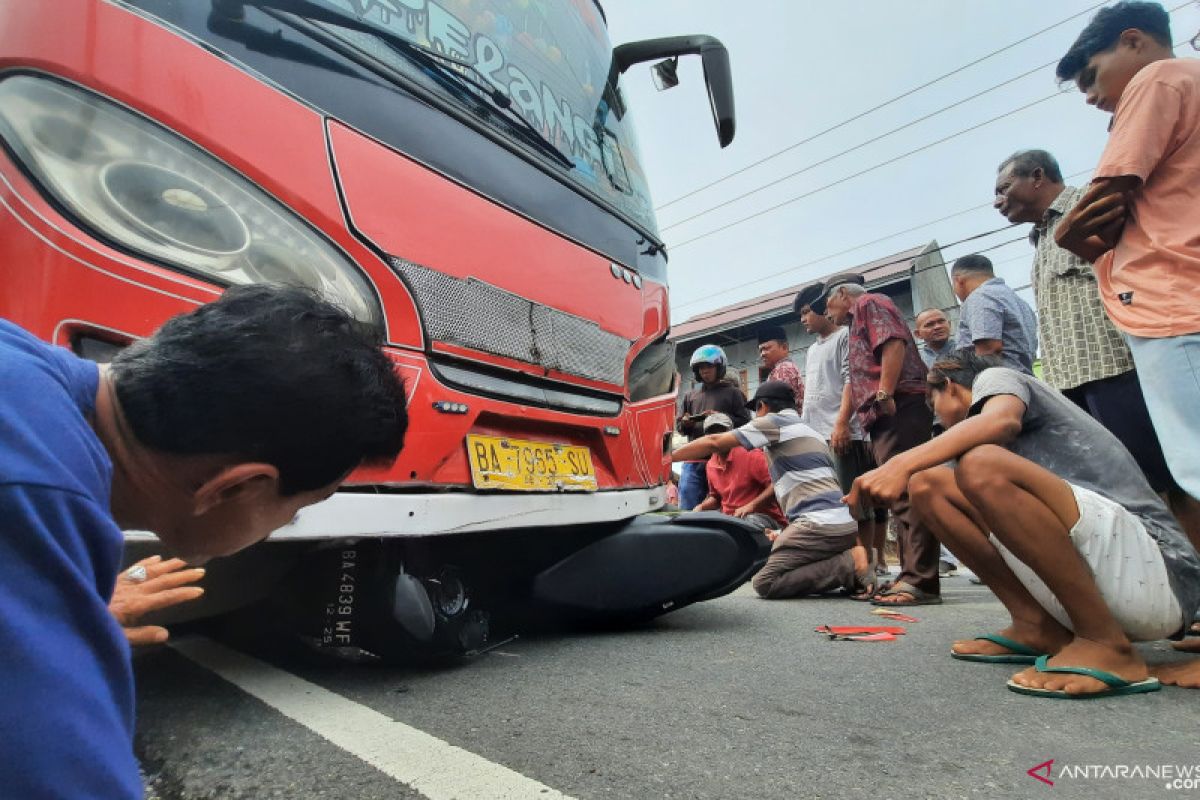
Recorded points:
(498, 462)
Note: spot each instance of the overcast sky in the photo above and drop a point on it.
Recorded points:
(801, 66)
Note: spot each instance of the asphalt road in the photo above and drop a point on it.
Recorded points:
(733, 698)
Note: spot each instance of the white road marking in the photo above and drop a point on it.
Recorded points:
(435, 768)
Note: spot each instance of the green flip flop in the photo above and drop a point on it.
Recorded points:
(1117, 686)
(1020, 653)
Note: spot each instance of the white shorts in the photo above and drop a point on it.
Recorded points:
(1126, 563)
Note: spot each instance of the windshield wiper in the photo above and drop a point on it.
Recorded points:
(502, 101)
(445, 68)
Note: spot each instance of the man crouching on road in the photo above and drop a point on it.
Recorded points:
(817, 551)
(739, 482)
(1081, 551)
(212, 433)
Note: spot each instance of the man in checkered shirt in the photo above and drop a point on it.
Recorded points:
(1083, 355)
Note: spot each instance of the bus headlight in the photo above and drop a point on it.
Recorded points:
(150, 191)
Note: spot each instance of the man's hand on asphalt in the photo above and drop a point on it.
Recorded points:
(880, 487)
(166, 585)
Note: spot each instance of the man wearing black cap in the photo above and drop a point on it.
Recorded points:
(817, 550)
(887, 387)
(773, 350)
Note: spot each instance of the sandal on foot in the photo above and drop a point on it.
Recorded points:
(1020, 653)
(1117, 685)
(919, 597)
(871, 593)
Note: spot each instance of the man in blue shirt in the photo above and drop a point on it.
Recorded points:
(212, 433)
(993, 320)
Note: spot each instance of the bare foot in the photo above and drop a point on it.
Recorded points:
(1044, 638)
(1120, 659)
(1183, 673)
(862, 562)
(1188, 646)
(898, 599)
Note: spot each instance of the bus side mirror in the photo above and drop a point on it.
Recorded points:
(666, 74)
(718, 77)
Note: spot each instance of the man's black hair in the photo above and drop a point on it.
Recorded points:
(773, 333)
(1024, 162)
(775, 404)
(270, 374)
(973, 264)
(961, 366)
(1105, 29)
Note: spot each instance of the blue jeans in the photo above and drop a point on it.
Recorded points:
(1169, 369)
(693, 485)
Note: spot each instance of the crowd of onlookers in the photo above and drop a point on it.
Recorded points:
(1073, 496)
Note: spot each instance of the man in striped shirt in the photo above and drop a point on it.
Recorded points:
(817, 552)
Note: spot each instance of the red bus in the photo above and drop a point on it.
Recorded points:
(463, 175)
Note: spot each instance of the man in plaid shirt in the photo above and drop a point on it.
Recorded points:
(1084, 356)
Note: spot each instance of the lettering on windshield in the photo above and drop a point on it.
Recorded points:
(551, 58)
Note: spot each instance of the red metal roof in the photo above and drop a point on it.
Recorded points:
(875, 272)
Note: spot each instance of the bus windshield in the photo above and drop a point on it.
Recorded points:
(550, 58)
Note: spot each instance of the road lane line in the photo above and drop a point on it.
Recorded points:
(436, 769)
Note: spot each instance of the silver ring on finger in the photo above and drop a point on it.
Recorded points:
(137, 573)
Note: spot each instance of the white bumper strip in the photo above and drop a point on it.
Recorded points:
(351, 514)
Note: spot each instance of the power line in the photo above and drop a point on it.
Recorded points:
(861, 172)
(859, 146)
(1005, 243)
(884, 104)
(849, 150)
(903, 260)
(863, 245)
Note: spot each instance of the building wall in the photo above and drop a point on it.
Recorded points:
(931, 285)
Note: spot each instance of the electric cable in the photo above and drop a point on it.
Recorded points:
(905, 259)
(828, 159)
(884, 238)
(884, 104)
(675, 246)
(847, 151)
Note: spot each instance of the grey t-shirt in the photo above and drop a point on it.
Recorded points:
(826, 372)
(993, 311)
(1058, 435)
